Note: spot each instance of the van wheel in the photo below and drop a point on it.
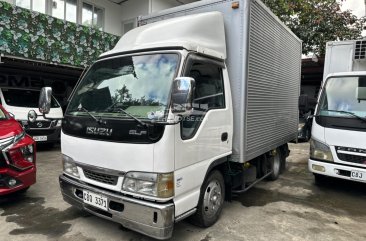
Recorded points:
(275, 166)
(211, 201)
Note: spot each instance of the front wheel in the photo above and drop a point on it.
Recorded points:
(211, 200)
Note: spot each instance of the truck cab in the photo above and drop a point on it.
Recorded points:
(338, 144)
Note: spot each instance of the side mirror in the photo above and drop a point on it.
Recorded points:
(182, 94)
(44, 103)
(32, 116)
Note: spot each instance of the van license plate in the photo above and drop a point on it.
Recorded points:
(95, 200)
(358, 175)
(40, 138)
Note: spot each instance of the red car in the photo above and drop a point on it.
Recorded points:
(17, 156)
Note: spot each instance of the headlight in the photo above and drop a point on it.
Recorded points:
(27, 152)
(152, 184)
(56, 123)
(320, 151)
(69, 166)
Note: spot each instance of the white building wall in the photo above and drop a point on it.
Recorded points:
(158, 5)
(134, 8)
(112, 15)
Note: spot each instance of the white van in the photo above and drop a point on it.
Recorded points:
(20, 101)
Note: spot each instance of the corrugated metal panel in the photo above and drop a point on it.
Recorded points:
(272, 83)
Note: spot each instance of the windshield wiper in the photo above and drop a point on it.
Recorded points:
(133, 117)
(99, 121)
(349, 113)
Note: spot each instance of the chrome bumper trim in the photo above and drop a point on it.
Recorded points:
(152, 219)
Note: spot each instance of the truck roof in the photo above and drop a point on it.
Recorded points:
(204, 33)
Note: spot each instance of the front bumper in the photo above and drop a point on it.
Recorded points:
(152, 219)
(335, 170)
(24, 179)
(53, 134)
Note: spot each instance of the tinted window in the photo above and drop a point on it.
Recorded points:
(209, 94)
(24, 98)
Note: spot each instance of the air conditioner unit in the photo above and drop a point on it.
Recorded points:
(360, 50)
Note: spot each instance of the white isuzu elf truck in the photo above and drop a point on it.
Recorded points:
(197, 103)
(338, 144)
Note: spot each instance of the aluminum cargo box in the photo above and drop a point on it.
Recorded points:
(264, 64)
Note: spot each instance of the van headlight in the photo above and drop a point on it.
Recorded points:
(69, 166)
(159, 185)
(320, 151)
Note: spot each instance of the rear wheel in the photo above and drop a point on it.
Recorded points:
(211, 200)
(274, 163)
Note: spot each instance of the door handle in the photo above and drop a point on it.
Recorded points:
(224, 136)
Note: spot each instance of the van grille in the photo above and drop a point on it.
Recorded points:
(99, 177)
(360, 51)
(352, 158)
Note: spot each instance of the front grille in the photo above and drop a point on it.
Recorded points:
(35, 132)
(99, 177)
(40, 124)
(352, 158)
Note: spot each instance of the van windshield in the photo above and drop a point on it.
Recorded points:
(24, 98)
(339, 97)
(139, 85)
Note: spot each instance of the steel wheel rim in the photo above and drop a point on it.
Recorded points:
(212, 199)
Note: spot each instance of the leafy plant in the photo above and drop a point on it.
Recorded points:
(316, 22)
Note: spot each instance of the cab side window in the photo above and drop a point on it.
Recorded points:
(208, 95)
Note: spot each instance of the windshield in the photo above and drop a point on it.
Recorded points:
(139, 85)
(340, 94)
(24, 98)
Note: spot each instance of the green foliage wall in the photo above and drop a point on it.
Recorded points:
(37, 36)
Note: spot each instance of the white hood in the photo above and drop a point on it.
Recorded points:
(21, 113)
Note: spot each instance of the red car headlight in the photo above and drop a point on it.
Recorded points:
(22, 154)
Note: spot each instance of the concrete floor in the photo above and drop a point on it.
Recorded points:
(291, 208)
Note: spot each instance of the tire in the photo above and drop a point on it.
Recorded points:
(275, 163)
(211, 201)
(319, 179)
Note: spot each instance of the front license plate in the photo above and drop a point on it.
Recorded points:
(95, 200)
(358, 175)
(40, 138)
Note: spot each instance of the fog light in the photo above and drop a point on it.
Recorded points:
(336, 171)
(318, 168)
(12, 182)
